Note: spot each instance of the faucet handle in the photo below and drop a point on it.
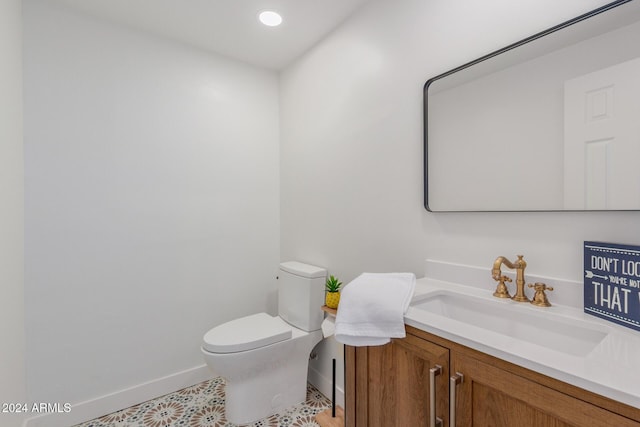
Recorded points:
(540, 297)
(498, 277)
(501, 289)
(540, 287)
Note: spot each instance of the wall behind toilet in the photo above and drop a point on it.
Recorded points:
(351, 148)
(152, 208)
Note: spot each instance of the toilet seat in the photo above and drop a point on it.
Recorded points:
(246, 333)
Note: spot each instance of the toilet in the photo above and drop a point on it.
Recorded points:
(263, 358)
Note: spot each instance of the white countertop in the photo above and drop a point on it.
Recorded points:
(610, 369)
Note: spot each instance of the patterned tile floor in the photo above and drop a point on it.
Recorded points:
(202, 405)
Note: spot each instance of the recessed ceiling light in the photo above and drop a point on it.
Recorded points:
(270, 18)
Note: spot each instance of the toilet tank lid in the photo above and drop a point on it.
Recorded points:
(304, 270)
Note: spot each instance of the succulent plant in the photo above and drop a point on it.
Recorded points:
(333, 284)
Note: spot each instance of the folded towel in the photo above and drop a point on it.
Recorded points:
(372, 308)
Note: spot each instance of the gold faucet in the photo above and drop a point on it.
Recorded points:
(501, 290)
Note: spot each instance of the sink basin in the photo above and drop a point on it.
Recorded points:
(508, 318)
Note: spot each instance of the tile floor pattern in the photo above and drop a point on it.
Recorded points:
(202, 405)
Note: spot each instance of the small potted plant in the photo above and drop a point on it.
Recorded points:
(332, 297)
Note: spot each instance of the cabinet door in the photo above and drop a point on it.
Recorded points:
(389, 385)
(490, 396)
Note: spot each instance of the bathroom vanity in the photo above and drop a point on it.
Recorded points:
(389, 386)
(551, 366)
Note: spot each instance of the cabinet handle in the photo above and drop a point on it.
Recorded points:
(433, 373)
(458, 378)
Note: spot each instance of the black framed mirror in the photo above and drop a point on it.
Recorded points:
(549, 123)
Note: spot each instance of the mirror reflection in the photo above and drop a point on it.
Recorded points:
(549, 123)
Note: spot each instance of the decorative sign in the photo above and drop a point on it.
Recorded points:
(612, 282)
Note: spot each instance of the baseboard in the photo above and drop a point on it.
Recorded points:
(94, 408)
(324, 385)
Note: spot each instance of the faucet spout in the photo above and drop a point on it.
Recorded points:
(519, 265)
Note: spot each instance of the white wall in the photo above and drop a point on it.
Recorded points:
(12, 374)
(152, 202)
(351, 148)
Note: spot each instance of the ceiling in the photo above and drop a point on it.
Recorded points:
(230, 27)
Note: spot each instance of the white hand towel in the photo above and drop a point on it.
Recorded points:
(372, 308)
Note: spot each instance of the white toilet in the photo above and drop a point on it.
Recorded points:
(264, 359)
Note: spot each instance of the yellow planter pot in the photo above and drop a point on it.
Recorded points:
(332, 299)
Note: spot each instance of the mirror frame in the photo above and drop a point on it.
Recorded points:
(507, 48)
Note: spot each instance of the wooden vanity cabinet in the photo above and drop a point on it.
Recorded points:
(389, 386)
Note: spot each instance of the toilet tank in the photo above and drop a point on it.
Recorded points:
(301, 294)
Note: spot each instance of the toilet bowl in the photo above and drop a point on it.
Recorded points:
(263, 358)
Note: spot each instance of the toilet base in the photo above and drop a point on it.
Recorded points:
(267, 380)
(251, 400)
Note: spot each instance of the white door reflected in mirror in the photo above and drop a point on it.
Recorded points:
(602, 139)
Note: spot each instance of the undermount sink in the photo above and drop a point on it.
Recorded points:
(508, 318)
